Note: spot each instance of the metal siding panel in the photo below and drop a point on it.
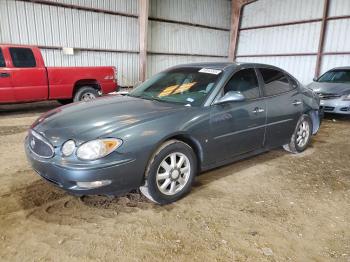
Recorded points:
(283, 39)
(57, 26)
(175, 38)
(265, 12)
(337, 36)
(158, 63)
(5, 30)
(126, 64)
(331, 61)
(339, 8)
(206, 12)
(125, 6)
(301, 67)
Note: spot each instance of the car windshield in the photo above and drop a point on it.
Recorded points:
(189, 86)
(336, 76)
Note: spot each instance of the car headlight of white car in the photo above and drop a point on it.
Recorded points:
(346, 97)
(96, 149)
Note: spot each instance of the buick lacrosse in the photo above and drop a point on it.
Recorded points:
(181, 122)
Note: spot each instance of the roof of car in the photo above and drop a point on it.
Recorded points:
(220, 65)
(341, 68)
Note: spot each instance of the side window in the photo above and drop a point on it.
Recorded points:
(275, 82)
(244, 81)
(292, 82)
(2, 60)
(22, 57)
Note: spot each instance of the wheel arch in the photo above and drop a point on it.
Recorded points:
(190, 141)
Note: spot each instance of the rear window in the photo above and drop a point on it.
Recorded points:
(22, 57)
(2, 60)
(275, 82)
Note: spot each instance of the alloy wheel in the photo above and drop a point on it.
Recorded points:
(303, 133)
(173, 173)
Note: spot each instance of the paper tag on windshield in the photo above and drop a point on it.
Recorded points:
(210, 71)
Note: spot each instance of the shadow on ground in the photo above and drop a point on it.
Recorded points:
(44, 201)
(27, 109)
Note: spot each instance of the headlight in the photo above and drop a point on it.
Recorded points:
(99, 148)
(346, 97)
(68, 148)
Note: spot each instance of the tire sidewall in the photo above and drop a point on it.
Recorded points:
(180, 147)
(295, 135)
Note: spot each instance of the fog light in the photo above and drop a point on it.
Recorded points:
(68, 148)
(93, 184)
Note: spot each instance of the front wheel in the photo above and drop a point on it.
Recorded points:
(170, 173)
(301, 137)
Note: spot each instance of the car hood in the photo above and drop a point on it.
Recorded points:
(330, 88)
(84, 121)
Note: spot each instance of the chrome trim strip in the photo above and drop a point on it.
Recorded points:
(41, 138)
(252, 128)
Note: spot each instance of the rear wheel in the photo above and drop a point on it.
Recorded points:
(301, 137)
(85, 94)
(170, 173)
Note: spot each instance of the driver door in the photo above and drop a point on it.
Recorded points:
(6, 90)
(238, 127)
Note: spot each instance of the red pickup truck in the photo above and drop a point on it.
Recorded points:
(25, 78)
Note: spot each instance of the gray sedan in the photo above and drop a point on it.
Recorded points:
(333, 87)
(180, 122)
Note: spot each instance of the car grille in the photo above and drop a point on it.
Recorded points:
(326, 96)
(39, 145)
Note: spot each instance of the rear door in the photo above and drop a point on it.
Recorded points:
(283, 104)
(29, 79)
(6, 90)
(239, 127)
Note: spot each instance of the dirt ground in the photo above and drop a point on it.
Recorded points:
(274, 207)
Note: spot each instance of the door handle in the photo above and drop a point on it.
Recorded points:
(258, 110)
(297, 102)
(3, 75)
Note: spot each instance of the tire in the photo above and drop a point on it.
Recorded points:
(301, 137)
(85, 93)
(65, 101)
(170, 173)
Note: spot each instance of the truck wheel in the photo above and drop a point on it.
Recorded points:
(301, 136)
(65, 101)
(86, 93)
(170, 173)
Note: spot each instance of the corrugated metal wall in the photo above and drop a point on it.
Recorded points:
(180, 31)
(173, 40)
(55, 26)
(205, 12)
(124, 6)
(337, 37)
(262, 43)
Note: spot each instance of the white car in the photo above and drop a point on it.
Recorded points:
(333, 88)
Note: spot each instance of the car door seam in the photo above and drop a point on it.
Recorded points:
(252, 128)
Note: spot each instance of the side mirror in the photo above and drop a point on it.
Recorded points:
(231, 96)
(315, 79)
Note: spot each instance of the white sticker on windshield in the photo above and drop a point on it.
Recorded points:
(210, 71)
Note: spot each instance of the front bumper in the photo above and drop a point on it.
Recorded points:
(124, 175)
(337, 106)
